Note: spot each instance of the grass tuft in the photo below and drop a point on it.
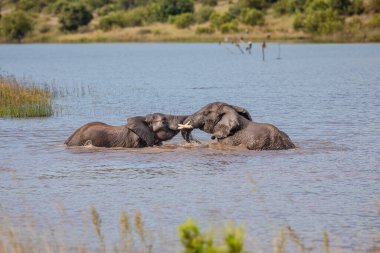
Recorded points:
(19, 99)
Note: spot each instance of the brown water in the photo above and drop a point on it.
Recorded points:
(325, 97)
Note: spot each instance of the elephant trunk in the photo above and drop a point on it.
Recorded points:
(175, 120)
(186, 133)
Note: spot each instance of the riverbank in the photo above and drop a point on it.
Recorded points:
(226, 21)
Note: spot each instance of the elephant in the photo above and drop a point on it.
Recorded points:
(233, 125)
(139, 132)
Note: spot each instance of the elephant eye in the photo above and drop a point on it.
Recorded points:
(205, 113)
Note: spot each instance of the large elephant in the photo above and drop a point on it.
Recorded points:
(139, 132)
(233, 125)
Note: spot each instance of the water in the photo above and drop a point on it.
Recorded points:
(325, 97)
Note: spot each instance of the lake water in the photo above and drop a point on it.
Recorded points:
(325, 97)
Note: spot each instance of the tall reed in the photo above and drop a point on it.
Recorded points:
(20, 99)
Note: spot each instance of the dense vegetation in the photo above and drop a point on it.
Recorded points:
(41, 20)
(19, 99)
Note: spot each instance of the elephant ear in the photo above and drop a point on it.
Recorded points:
(228, 123)
(242, 111)
(139, 126)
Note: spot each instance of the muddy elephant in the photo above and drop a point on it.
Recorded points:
(140, 131)
(233, 125)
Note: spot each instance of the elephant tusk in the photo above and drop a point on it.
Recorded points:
(185, 126)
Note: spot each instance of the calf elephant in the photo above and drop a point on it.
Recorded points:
(233, 125)
(139, 132)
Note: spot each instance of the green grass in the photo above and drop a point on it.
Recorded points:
(19, 99)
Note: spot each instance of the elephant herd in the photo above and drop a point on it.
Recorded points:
(229, 124)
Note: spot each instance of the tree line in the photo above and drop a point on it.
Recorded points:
(310, 16)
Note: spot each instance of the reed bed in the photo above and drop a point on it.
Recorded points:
(134, 238)
(19, 99)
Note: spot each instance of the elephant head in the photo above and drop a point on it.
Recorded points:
(157, 127)
(218, 118)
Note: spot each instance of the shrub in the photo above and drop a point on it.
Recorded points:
(16, 25)
(204, 30)
(203, 14)
(106, 9)
(217, 20)
(323, 21)
(356, 7)
(252, 17)
(58, 6)
(256, 4)
(375, 21)
(73, 15)
(285, 6)
(153, 13)
(209, 2)
(355, 24)
(96, 4)
(113, 19)
(175, 7)
(31, 5)
(234, 10)
(230, 27)
(183, 20)
(134, 17)
(299, 21)
(374, 5)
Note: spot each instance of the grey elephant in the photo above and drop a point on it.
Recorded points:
(233, 125)
(140, 131)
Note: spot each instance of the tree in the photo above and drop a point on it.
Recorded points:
(73, 15)
(252, 17)
(175, 7)
(16, 25)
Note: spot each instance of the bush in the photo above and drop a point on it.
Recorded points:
(96, 4)
(217, 20)
(203, 14)
(31, 5)
(73, 15)
(252, 17)
(256, 4)
(299, 21)
(58, 6)
(356, 7)
(285, 6)
(204, 30)
(183, 20)
(134, 17)
(175, 7)
(113, 19)
(209, 2)
(375, 21)
(16, 25)
(323, 21)
(234, 10)
(355, 24)
(230, 27)
(106, 9)
(374, 5)
(153, 13)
